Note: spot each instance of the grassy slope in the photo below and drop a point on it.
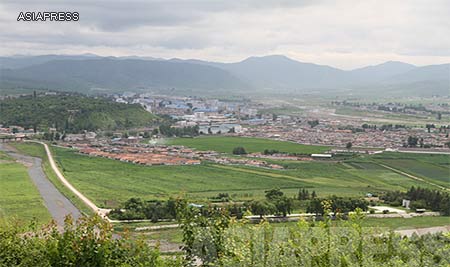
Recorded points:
(226, 144)
(18, 195)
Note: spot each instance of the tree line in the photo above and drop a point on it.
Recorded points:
(425, 198)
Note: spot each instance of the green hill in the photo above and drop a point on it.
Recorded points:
(72, 113)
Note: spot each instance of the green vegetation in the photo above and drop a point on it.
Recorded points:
(90, 242)
(432, 167)
(221, 241)
(226, 144)
(108, 182)
(37, 150)
(18, 195)
(71, 113)
(421, 198)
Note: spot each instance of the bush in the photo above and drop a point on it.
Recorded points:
(239, 151)
(88, 242)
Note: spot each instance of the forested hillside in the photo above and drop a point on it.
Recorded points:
(71, 113)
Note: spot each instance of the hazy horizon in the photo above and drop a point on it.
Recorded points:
(345, 35)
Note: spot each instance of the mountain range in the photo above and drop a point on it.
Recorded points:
(89, 73)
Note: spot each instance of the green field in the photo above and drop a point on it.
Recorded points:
(19, 197)
(227, 143)
(432, 167)
(108, 182)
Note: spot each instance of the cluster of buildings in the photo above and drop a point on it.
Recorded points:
(145, 154)
(331, 132)
(14, 133)
(212, 116)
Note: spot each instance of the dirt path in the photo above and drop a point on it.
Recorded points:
(57, 204)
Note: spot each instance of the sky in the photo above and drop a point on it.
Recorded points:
(345, 34)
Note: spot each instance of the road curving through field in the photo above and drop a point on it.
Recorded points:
(101, 212)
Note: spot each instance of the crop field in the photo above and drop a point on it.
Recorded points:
(435, 168)
(19, 197)
(226, 144)
(108, 182)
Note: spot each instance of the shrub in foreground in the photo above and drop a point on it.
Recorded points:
(88, 242)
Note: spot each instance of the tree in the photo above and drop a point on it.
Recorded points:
(303, 194)
(313, 123)
(262, 207)
(283, 205)
(412, 141)
(273, 194)
(239, 151)
(429, 127)
(348, 145)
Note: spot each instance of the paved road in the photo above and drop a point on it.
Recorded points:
(101, 212)
(57, 204)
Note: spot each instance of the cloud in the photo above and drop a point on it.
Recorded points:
(340, 33)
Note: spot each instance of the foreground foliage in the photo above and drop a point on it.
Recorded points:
(218, 240)
(89, 242)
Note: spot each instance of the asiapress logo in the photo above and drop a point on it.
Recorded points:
(48, 16)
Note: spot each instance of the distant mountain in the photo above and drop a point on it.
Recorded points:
(125, 74)
(281, 73)
(420, 74)
(19, 61)
(380, 72)
(271, 74)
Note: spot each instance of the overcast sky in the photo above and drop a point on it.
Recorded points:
(344, 34)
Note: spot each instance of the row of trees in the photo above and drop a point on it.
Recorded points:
(136, 209)
(337, 205)
(303, 194)
(434, 200)
(169, 131)
(275, 203)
